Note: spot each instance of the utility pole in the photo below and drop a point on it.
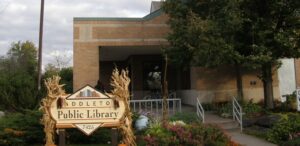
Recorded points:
(40, 45)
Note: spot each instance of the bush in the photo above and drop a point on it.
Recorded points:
(100, 136)
(21, 129)
(289, 105)
(178, 133)
(224, 109)
(185, 117)
(207, 106)
(286, 129)
(294, 142)
(251, 109)
(156, 134)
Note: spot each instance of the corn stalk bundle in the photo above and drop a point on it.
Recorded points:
(54, 91)
(120, 82)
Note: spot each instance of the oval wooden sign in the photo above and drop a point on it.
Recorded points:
(87, 109)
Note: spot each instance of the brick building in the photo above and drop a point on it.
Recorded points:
(135, 43)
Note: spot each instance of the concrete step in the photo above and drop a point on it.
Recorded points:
(224, 123)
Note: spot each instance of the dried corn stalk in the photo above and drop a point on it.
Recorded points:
(54, 91)
(120, 82)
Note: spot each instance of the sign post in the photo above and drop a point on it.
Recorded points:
(62, 137)
(114, 137)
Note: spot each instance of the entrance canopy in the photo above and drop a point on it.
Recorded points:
(119, 53)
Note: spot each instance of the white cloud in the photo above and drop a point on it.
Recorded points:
(20, 21)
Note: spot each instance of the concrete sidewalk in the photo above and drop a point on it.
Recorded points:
(247, 140)
(233, 130)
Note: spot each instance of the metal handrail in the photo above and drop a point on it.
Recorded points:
(155, 104)
(237, 112)
(200, 110)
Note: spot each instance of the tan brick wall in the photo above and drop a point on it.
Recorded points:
(86, 64)
(129, 32)
(90, 35)
(76, 33)
(222, 82)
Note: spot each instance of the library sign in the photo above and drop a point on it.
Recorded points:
(87, 110)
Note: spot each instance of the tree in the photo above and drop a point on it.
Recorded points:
(18, 77)
(271, 31)
(65, 73)
(252, 33)
(204, 34)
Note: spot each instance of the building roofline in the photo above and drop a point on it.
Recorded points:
(147, 17)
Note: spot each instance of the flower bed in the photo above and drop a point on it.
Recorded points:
(181, 134)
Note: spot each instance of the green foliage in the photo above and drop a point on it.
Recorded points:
(10, 139)
(289, 125)
(185, 117)
(251, 109)
(203, 32)
(101, 135)
(290, 104)
(249, 33)
(294, 142)
(18, 78)
(66, 75)
(207, 106)
(157, 135)
(21, 129)
(224, 109)
(188, 135)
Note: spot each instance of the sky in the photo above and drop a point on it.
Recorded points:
(19, 21)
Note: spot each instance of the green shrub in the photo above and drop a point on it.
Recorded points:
(100, 136)
(156, 134)
(294, 142)
(185, 117)
(251, 109)
(178, 134)
(288, 125)
(18, 129)
(213, 136)
(25, 128)
(224, 109)
(8, 137)
(289, 105)
(207, 106)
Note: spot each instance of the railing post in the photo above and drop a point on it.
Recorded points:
(233, 113)
(237, 112)
(203, 120)
(241, 118)
(180, 106)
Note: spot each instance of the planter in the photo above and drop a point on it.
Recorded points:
(121, 144)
